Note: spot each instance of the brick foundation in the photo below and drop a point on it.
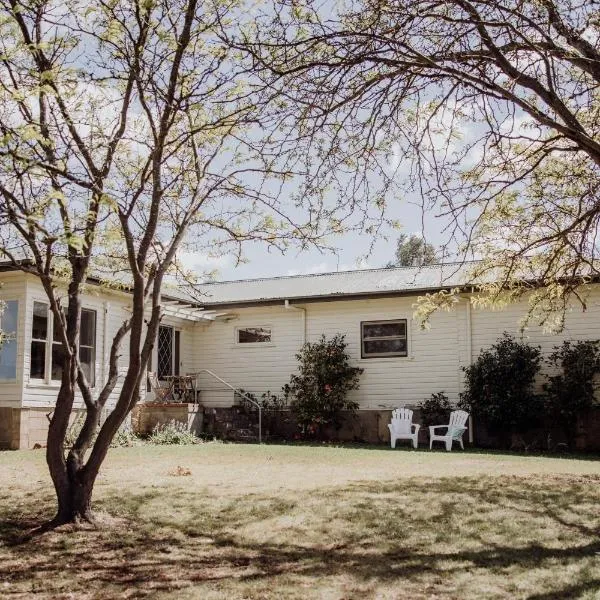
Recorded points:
(145, 417)
(23, 428)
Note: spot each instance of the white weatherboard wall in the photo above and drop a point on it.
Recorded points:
(12, 287)
(433, 363)
(253, 367)
(488, 326)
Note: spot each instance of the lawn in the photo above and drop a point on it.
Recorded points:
(309, 522)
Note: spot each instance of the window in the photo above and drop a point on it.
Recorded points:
(383, 338)
(41, 345)
(167, 355)
(253, 335)
(8, 349)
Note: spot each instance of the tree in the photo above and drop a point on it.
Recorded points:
(572, 392)
(319, 392)
(489, 109)
(413, 251)
(127, 132)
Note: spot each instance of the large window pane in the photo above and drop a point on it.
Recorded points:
(86, 360)
(253, 335)
(58, 361)
(37, 368)
(87, 335)
(87, 344)
(385, 346)
(8, 349)
(39, 329)
(378, 330)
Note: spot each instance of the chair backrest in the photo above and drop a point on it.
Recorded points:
(458, 418)
(402, 420)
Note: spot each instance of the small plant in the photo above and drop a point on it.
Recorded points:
(125, 438)
(319, 392)
(572, 392)
(435, 410)
(173, 433)
(499, 386)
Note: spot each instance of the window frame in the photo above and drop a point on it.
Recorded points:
(13, 337)
(368, 355)
(236, 336)
(50, 342)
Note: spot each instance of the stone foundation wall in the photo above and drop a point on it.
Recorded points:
(548, 437)
(28, 427)
(23, 428)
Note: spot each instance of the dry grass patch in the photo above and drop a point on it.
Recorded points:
(310, 522)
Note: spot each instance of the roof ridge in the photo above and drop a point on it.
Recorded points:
(371, 270)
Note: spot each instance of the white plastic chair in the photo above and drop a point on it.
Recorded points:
(454, 430)
(402, 427)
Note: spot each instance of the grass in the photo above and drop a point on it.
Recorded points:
(246, 521)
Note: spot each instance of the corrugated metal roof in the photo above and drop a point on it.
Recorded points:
(327, 285)
(322, 285)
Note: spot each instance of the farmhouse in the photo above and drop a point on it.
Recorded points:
(246, 334)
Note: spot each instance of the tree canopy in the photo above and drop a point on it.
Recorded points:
(487, 111)
(129, 131)
(413, 251)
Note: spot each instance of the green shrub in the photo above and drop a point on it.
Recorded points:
(499, 386)
(435, 410)
(173, 432)
(318, 393)
(572, 392)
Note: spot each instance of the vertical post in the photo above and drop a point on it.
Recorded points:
(260, 424)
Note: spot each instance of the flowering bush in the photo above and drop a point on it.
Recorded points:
(318, 393)
(173, 433)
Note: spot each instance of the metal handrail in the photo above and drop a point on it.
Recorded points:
(239, 393)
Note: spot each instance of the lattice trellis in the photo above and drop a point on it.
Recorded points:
(165, 352)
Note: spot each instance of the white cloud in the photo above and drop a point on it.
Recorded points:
(201, 262)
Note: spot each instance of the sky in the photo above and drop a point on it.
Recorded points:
(355, 251)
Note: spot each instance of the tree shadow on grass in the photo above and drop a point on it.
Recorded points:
(425, 533)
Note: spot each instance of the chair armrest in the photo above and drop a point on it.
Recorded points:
(432, 428)
(416, 427)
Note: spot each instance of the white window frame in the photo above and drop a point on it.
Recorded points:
(49, 341)
(369, 355)
(236, 338)
(13, 337)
